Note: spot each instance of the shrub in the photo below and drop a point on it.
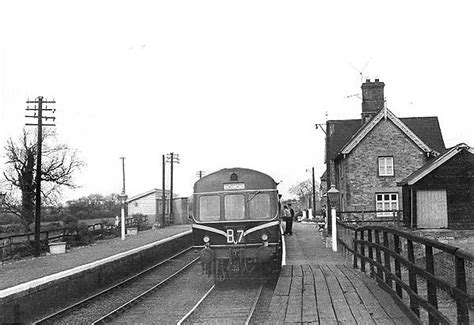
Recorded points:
(69, 221)
(142, 221)
(83, 237)
(9, 218)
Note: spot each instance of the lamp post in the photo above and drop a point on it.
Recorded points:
(123, 200)
(333, 195)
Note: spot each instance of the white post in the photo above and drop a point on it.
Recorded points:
(123, 222)
(334, 232)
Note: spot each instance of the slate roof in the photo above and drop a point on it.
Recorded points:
(432, 165)
(324, 176)
(426, 128)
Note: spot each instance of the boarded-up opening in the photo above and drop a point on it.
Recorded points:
(432, 209)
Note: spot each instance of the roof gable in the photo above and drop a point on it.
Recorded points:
(156, 192)
(429, 167)
(385, 114)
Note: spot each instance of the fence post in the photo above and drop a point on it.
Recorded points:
(354, 248)
(432, 298)
(386, 257)
(362, 252)
(398, 271)
(414, 306)
(461, 303)
(371, 252)
(378, 255)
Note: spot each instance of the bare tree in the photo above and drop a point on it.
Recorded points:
(59, 163)
(303, 191)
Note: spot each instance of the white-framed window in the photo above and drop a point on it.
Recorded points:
(386, 202)
(386, 166)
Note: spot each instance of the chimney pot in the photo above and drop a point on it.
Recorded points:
(367, 80)
(377, 80)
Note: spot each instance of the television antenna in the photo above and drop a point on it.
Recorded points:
(361, 71)
(362, 77)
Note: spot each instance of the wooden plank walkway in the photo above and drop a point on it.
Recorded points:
(318, 286)
(331, 294)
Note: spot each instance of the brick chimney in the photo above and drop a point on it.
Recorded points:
(372, 98)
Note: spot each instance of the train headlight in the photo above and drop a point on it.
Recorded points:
(206, 239)
(264, 237)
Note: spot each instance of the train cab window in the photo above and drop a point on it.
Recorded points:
(234, 207)
(209, 208)
(260, 207)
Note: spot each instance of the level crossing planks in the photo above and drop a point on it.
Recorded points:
(331, 294)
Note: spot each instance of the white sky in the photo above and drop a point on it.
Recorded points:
(226, 83)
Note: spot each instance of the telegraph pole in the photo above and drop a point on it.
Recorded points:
(163, 194)
(314, 194)
(172, 158)
(38, 114)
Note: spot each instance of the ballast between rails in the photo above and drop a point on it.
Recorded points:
(79, 304)
(128, 304)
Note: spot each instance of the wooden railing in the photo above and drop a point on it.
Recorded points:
(20, 244)
(433, 279)
(135, 221)
(11, 244)
(362, 217)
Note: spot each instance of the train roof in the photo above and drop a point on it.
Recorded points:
(252, 179)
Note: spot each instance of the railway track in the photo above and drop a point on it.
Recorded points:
(232, 303)
(114, 299)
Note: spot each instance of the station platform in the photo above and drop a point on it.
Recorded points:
(319, 286)
(21, 272)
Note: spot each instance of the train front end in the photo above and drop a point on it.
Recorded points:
(236, 222)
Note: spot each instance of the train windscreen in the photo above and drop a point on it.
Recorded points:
(234, 207)
(209, 208)
(260, 206)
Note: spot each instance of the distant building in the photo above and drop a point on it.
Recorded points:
(441, 193)
(365, 158)
(151, 204)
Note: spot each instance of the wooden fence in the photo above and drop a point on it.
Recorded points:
(433, 280)
(22, 244)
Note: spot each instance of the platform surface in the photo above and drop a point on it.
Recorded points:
(29, 269)
(319, 286)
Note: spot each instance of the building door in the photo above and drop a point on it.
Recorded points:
(432, 209)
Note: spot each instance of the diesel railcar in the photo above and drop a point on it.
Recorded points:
(236, 222)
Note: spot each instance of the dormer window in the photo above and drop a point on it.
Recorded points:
(386, 166)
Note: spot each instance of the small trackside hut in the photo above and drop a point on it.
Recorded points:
(236, 222)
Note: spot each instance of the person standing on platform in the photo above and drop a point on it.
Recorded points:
(292, 212)
(288, 221)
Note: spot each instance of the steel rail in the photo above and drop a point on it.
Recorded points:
(254, 306)
(195, 306)
(107, 290)
(199, 303)
(140, 296)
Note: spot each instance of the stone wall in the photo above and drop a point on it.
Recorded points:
(358, 173)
